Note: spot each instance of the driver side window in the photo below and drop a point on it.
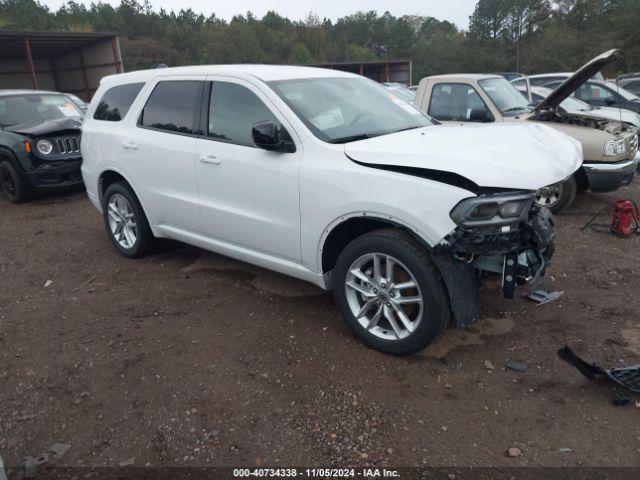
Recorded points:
(458, 102)
(233, 110)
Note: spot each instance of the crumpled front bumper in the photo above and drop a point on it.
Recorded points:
(607, 177)
(519, 255)
(58, 174)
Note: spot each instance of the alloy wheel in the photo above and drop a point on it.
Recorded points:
(384, 296)
(122, 221)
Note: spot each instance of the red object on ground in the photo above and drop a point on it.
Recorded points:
(625, 218)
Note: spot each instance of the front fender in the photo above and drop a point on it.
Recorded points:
(13, 146)
(391, 219)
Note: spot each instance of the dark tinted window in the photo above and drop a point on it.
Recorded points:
(116, 101)
(233, 111)
(633, 86)
(173, 106)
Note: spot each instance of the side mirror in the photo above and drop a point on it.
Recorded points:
(268, 136)
(610, 102)
(480, 115)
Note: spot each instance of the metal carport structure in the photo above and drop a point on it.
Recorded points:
(72, 62)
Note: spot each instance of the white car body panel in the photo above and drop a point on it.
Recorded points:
(609, 113)
(276, 209)
(481, 158)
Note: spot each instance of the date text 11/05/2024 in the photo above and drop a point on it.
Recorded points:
(316, 472)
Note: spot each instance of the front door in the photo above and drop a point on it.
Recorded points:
(248, 196)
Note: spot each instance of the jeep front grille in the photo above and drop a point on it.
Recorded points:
(66, 145)
(634, 144)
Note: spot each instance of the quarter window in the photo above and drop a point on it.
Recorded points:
(457, 102)
(233, 111)
(173, 106)
(116, 101)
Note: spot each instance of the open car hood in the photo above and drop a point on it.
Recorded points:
(571, 84)
(509, 156)
(46, 126)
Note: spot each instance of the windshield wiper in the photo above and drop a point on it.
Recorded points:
(403, 129)
(515, 109)
(354, 138)
(364, 136)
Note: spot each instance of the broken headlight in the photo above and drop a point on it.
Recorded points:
(614, 148)
(493, 210)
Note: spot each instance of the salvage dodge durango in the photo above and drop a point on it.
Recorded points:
(328, 177)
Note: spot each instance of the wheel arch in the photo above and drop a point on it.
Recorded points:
(347, 228)
(109, 176)
(6, 153)
(458, 277)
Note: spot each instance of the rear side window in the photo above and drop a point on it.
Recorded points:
(174, 106)
(116, 101)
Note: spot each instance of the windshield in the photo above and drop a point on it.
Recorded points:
(30, 108)
(505, 96)
(340, 110)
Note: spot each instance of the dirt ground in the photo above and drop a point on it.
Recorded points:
(189, 358)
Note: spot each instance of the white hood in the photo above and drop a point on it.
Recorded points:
(514, 156)
(615, 114)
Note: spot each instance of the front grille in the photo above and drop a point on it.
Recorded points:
(634, 144)
(67, 145)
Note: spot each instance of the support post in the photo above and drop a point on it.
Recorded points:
(386, 72)
(54, 74)
(115, 46)
(32, 68)
(85, 79)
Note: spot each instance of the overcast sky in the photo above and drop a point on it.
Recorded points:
(456, 11)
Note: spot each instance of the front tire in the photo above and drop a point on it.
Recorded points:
(12, 183)
(558, 197)
(390, 292)
(126, 223)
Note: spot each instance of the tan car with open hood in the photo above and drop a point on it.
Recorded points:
(610, 147)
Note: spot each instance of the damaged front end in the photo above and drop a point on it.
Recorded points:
(504, 234)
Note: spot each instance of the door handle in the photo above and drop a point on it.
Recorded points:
(130, 146)
(212, 159)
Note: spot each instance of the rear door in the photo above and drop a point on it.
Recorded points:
(249, 196)
(160, 151)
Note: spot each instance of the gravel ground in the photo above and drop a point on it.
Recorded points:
(190, 358)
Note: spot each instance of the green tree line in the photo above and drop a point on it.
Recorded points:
(531, 36)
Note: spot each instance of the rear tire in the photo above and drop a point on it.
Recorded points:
(382, 308)
(13, 183)
(558, 197)
(126, 222)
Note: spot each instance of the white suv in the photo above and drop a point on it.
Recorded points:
(327, 177)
